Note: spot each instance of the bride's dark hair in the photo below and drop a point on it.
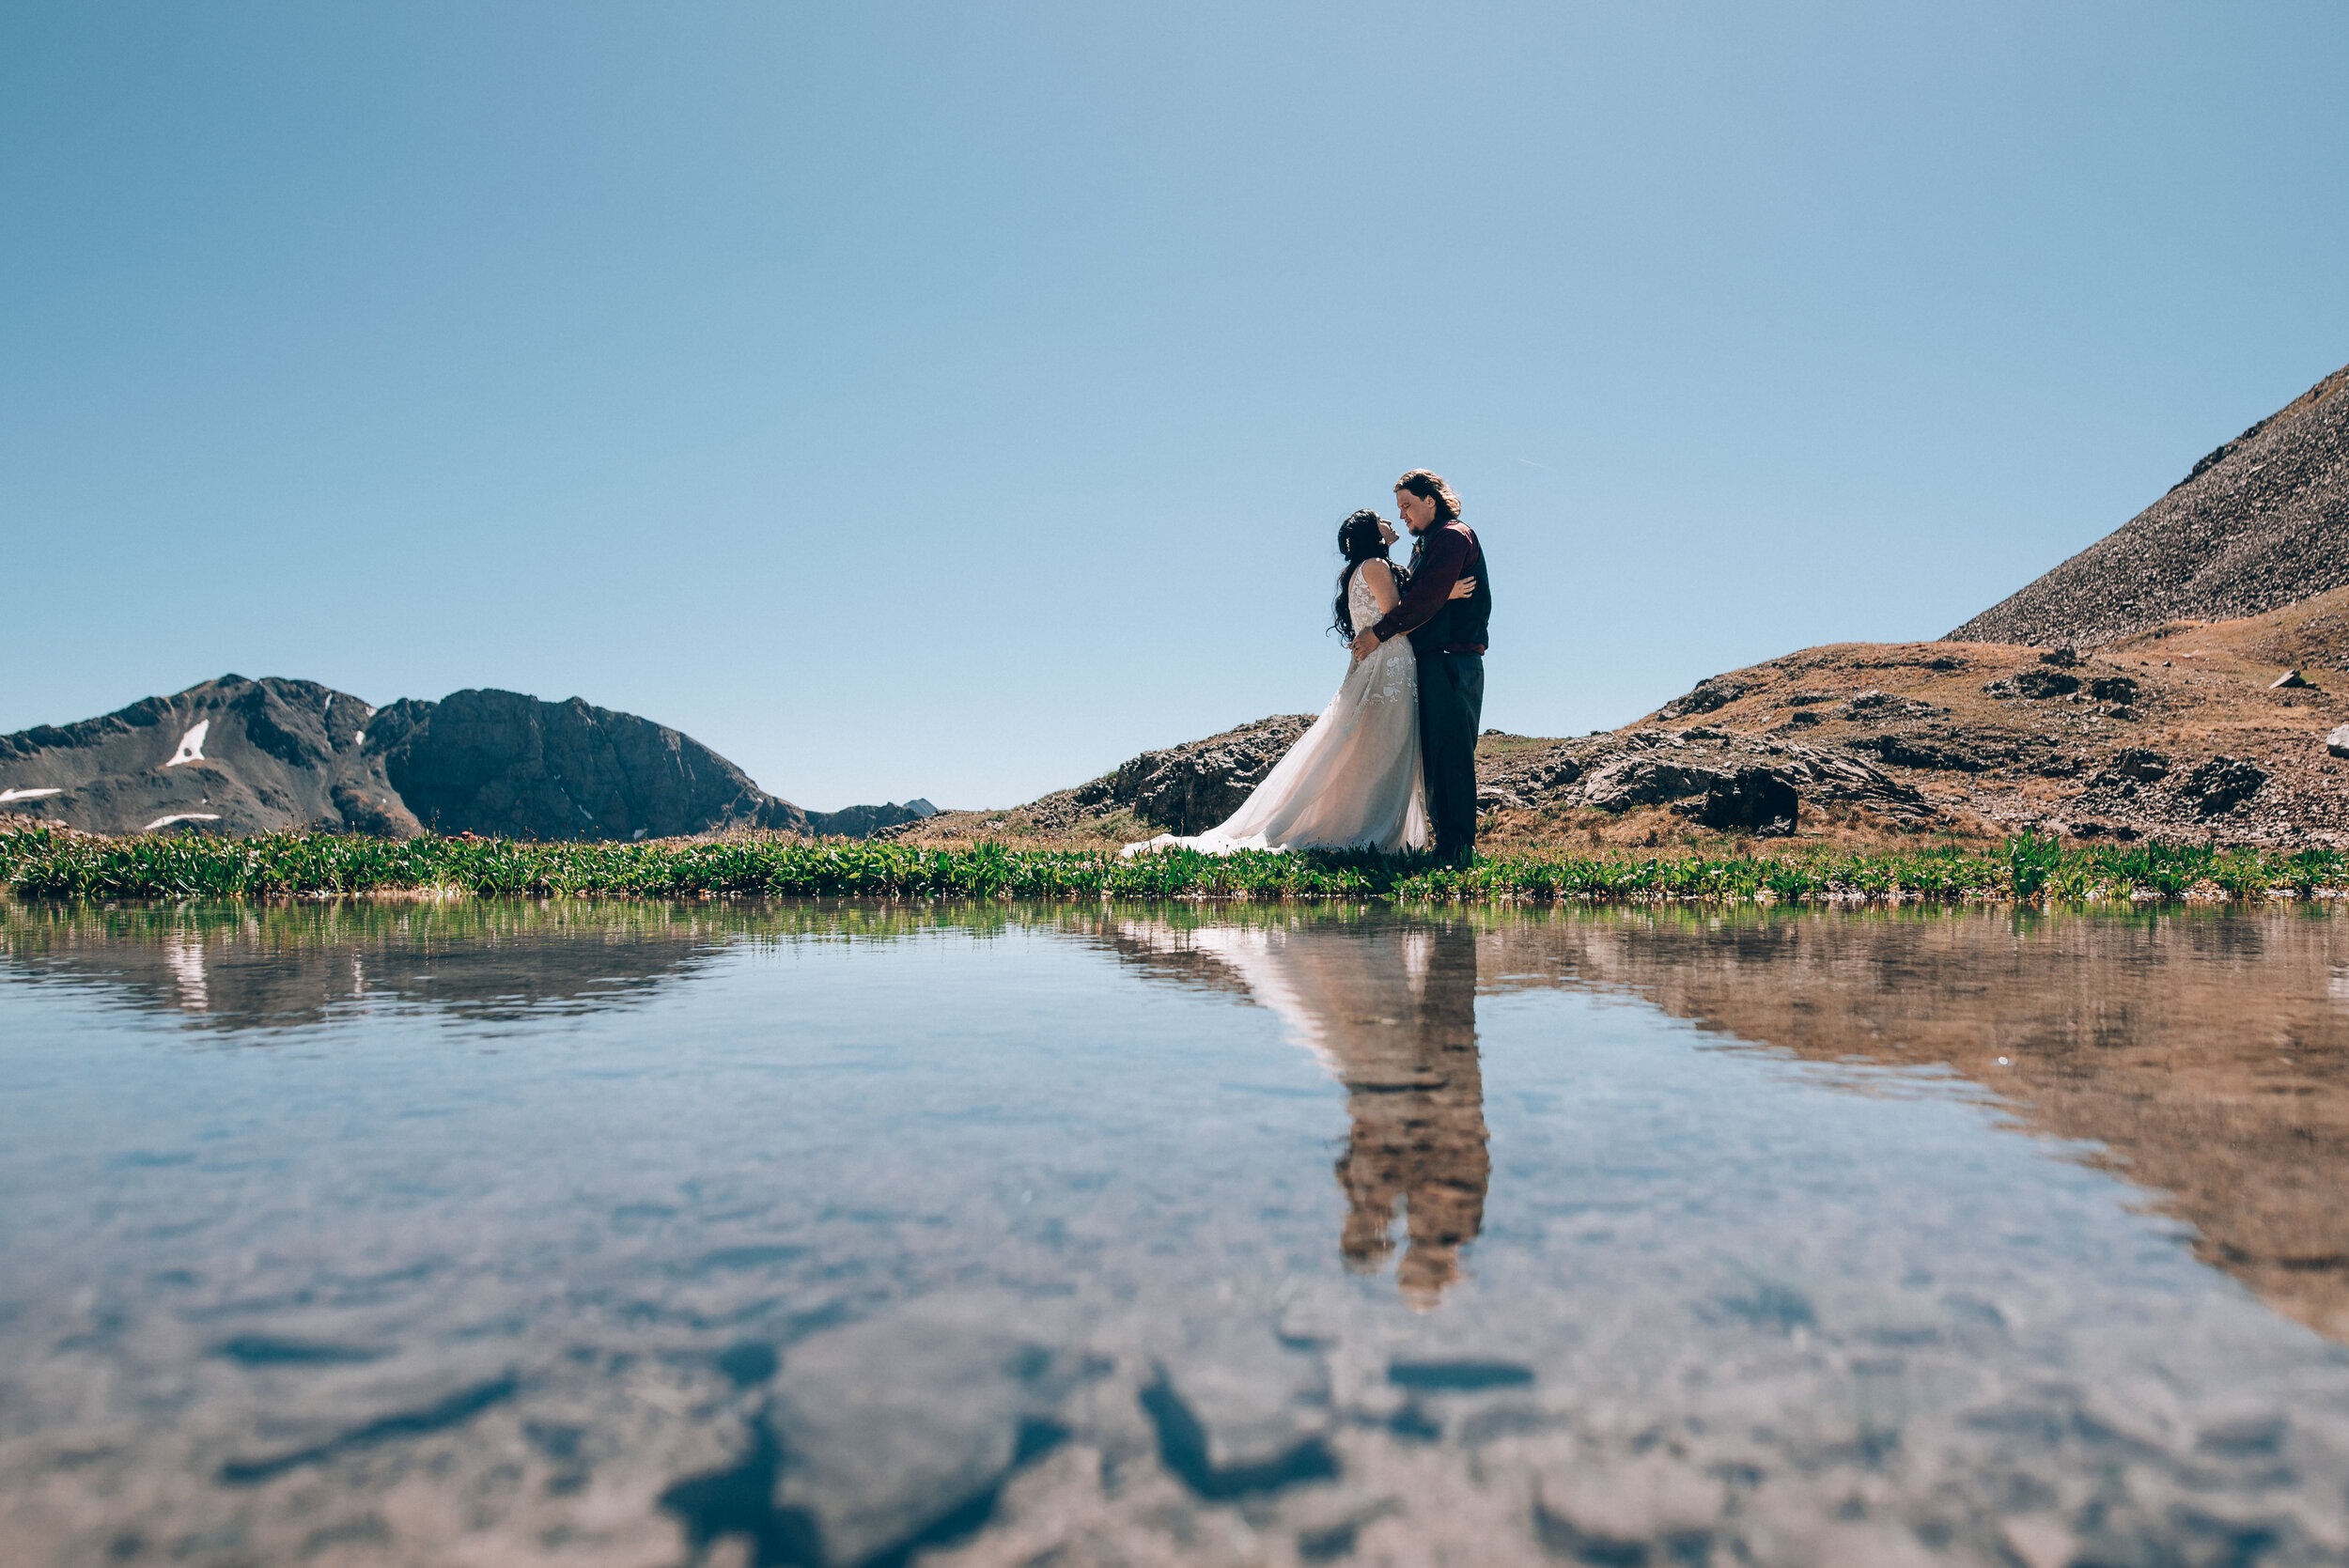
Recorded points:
(1359, 540)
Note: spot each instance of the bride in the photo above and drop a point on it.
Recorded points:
(1352, 780)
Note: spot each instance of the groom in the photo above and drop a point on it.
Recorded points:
(1448, 636)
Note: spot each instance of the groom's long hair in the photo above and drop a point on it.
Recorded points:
(1430, 486)
(1358, 541)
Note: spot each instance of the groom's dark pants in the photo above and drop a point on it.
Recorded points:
(1451, 706)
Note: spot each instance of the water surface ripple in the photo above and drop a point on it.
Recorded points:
(830, 1235)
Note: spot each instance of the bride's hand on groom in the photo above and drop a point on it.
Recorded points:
(1461, 589)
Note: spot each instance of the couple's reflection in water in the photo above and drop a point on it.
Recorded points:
(1389, 1009)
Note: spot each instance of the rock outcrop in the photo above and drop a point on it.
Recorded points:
(2260, 523)
(234, 755)
(502, 763)
(1182, 789)
(1723, 779)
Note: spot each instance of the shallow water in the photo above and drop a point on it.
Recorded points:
(634, 1234)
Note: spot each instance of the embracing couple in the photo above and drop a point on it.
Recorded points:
(1390, 764)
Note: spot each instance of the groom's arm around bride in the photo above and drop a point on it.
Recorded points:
(1440, 559)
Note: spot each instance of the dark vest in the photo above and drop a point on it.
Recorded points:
(1461, 622)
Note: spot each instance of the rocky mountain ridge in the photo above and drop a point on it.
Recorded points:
(239, 757)
(2260, 522)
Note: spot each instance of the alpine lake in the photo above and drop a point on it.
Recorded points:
(488, 1233)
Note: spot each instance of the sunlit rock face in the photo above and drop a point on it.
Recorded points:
(502, 763)
(231, 755)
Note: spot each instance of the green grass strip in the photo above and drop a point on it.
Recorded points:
(40, 864)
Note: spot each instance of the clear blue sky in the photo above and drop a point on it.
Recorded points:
(955, 399)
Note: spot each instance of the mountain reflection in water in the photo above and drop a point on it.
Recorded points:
(2201, 1055)
(238, 970)
(830, 1235)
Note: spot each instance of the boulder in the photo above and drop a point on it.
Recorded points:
(2289, 681)
(1713, 691)
(1489, 798)
(2337, 743)
(1936, 754)
(1645, 781)
(1757, 799)
(2223, 783)
(1822, 776)
(2043, 683)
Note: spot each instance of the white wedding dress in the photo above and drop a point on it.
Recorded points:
(1352, 780)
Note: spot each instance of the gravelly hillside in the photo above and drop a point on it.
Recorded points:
(2260, 523)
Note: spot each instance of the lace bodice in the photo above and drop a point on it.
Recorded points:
(1361, 604)
(1388, 675)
